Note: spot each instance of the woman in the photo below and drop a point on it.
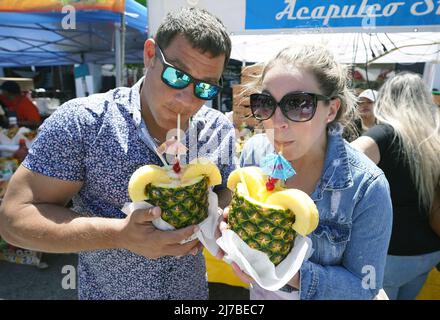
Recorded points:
(303, 102)
(406, 145)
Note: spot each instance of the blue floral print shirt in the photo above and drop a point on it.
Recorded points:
(101, 140)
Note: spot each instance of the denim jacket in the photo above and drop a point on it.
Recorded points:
(355, 218)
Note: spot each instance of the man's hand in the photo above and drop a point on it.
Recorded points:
(139, 235)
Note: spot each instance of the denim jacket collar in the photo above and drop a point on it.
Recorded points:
(337, 174)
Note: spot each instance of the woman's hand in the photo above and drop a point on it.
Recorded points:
(242, 275)
(223, 218)
(220, 254)
(222, 225)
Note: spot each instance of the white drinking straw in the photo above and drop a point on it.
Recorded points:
(178, 127)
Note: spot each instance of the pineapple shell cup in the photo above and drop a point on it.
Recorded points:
(264, 228)
(183, 197)
(268, 221)
(181, 206)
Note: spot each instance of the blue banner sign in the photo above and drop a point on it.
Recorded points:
(367, 14)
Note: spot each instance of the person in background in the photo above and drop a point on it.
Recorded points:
(16, 103)
(303, 101)
(366, 100)
(3, 117)
(405, 144)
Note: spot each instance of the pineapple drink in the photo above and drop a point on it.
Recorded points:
(182, 195)
(268, 219)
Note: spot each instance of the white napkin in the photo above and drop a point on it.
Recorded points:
(206, 233)
(258, 265)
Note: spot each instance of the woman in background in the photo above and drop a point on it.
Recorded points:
(406, 146)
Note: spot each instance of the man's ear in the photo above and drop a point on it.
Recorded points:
(334, 106)
(149, 52)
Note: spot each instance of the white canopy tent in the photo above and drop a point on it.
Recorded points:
(347, 47)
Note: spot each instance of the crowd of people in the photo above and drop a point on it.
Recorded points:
(378, 195)
(405, 144)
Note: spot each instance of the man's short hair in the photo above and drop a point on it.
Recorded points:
(203, 30)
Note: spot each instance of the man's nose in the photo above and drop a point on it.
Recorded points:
(186, 95)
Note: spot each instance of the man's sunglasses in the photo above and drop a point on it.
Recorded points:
(295, 106)
(178, 79)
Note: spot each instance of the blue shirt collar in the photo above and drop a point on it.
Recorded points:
(134, 100)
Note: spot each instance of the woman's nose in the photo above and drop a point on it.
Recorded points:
(279, 120)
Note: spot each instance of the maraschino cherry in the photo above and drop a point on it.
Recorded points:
(176, 167)
(270, 184)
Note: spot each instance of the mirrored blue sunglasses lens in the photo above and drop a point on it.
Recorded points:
(206, 91)
(175, 78)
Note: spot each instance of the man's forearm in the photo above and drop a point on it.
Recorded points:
(52, 228)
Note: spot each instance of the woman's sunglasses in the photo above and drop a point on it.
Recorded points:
(178, 79)
(295, 106)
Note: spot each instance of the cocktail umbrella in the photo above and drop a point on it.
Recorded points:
(276, 166)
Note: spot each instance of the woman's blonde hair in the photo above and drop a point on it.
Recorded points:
(405, 103)
(332, 77)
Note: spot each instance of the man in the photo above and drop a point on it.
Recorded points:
(18, 104)
(90, 147)
(366, 108)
